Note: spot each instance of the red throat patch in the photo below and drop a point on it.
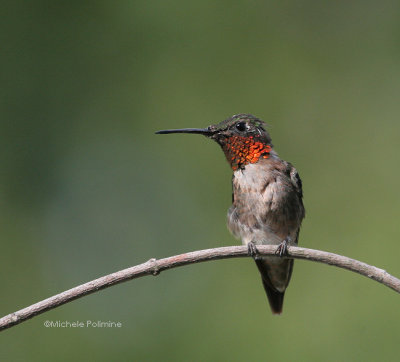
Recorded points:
(241, 151)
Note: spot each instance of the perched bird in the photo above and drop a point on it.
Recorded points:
(267, 205)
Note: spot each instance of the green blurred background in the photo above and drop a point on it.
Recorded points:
(88, 189)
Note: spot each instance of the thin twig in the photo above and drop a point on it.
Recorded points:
(154, 267)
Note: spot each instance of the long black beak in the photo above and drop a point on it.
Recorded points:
(203, 131)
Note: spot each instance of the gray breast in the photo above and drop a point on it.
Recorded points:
(267, 205)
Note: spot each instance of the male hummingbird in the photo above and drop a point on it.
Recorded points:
(267, 205)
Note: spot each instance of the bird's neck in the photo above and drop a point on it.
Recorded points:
(240, 151)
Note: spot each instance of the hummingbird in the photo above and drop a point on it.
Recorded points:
(267, 198)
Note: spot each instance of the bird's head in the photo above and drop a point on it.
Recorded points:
(242, 137)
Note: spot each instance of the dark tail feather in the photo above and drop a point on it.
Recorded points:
(275, 298)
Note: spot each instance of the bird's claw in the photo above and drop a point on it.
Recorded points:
(282, 248)
(252, 250)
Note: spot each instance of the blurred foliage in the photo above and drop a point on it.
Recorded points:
(87, 188)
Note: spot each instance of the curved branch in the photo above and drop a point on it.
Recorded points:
(154, 267)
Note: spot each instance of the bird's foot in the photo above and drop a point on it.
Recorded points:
(282, 248)
(252, 250)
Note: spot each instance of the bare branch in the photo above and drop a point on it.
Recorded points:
(154, 267)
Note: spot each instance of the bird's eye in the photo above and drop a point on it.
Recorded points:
(241, 126)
